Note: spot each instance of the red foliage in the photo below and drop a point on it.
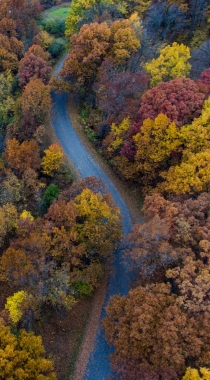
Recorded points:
(118, 94)
(205, 79)
(32, 66)
(180, 99)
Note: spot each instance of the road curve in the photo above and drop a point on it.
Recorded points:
(98, 367)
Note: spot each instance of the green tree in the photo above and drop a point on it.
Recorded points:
(50, 194)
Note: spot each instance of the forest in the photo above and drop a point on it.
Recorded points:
(140, 72)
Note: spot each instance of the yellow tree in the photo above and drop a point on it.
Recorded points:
(13, 305)
(99, 222)
(23, 357)
(53, 159)
(118, 133)
(154, 144)
(172, 63)
(191, 176)
(194, 374)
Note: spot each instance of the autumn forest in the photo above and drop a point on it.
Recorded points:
(139, 71)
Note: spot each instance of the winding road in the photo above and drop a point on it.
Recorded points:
(98, 367)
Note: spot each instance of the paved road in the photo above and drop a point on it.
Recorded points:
(98, 367)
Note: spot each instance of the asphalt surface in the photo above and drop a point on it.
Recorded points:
(98, 367)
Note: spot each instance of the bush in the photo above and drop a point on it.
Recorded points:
(83, 289)
(55, 26)
(57, 47)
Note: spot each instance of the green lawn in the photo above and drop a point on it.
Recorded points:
(61, 12)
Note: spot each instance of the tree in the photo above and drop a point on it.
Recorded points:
(149, 328)
(117, 136)
(53, 159)
(88, 49)
(92, 183)
(194, 374)
(154, 144)
(118, 94)
(8, 218)
(172, 63)
(200, 65)
(35, 100)
(165, 21)
(205, 79)
(50, 194)
(179, 99)
(38, 51)
(11, 190)
(22, 156)
(93, 44)
(191, 176)
(13, 305)
(7, 102)
(77, 12)
(32, 66)
(11, 50)
(192, 281)
(99, 224)
(23, 356)
(152, 251)
(43, 39)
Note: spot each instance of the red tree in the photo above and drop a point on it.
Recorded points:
(180, 99)
(32, 66)
(118, 94)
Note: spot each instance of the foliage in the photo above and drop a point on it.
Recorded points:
(194, 374)
(32, 66)
(50, 194)
(35, 100)
(148, 327)
(22, 156)
(44, 39)
(26, 215)
(23, 356)
(8, 220)
(93, 44)
(118, 94)
(179, 99)
(99, 224)
(53, 159)
(13, 305)
(7, 102)
(191, 176)
(172, 63)
(78, 9)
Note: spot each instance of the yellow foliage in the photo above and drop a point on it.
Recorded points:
(13, 305)
(172, 63)
(26, 215)
(77, 9)
(193, 374)
(92, 206)
(44, 39)
(22, 357)
(53, 159)
(157, 139)
(191, 176)
(119, 133)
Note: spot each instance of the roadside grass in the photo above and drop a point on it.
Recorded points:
(61, 12)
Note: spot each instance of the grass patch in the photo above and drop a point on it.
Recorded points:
(61, 12)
